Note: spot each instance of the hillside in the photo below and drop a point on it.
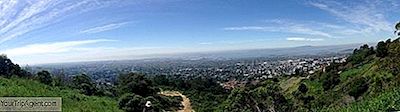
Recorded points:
(73, 101)
(369, 81)
(386, 101)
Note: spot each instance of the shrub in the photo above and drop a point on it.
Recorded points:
(44, 77)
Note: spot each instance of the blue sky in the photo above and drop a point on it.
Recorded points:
(49, 31)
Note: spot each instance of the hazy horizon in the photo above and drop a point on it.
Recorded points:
(48, 31)
(193, 54)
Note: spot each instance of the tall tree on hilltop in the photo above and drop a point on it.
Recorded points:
(8, 68)
(381, 49)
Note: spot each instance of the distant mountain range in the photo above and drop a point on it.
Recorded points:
(272, 52)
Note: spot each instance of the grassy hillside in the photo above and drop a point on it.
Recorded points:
(388, 100)
(382, 93)
(368, 81)
(377, 97)
(73, 101)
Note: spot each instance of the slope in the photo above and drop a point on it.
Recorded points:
(73, 101)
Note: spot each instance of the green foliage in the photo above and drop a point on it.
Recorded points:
(381, 49)
(364, 83)
(205, 93)
(135, 83)
(138, 89)
(387, 101)
(346, 75)
(131, 102)
(73, 101)
(330, 80)
(8, 68)
(84, 83)
(266, 97)
(394, 48)
(303, 88)
(238, 101)
(203, 101)
(358, 87)
(360, 54)
(44, 77)
(160, 102)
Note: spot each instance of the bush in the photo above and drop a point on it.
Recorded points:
(8, 68)
(358, 87)
(131, 103)
(84, 83)
(135, 83)
(303, 88)
(44, 77)
(381, 49)
(330, 80)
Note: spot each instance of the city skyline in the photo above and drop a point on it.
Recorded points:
(33, 32)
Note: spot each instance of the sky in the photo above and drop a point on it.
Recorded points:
(53, 31)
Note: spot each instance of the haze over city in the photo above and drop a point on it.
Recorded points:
(50, 31)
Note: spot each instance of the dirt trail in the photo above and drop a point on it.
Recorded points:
(187, 107)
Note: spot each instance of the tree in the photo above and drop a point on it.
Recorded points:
(85, 84)
(358, 87)
(381, 49)
(131, 103)
(303, 88)
(388, 41)
(44, 77)
(330, 80)
(161, 80)
(8, 68)
(360, 55)
(135, 83)
(267, 97)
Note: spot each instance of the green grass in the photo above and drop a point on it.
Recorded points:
(73, 101)
(314, 87)
(381, 95)
(355, 72)
(290, 85)
(387, 100)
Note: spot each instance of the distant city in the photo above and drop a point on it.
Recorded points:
(228, 71)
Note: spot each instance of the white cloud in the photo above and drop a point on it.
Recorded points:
(79, 53)
(55, 47)
(244, 28)
(303, 39)
(205, 43)
(283, 27)
(103, 28)
(369, 15)
(18, 17)
(368, 18)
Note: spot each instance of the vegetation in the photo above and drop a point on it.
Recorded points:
(205, 93)
(364, 83)
(264, 97)
(73, 101)
(368, 81)
(81, 93)
(44, 77)
(135, 90)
